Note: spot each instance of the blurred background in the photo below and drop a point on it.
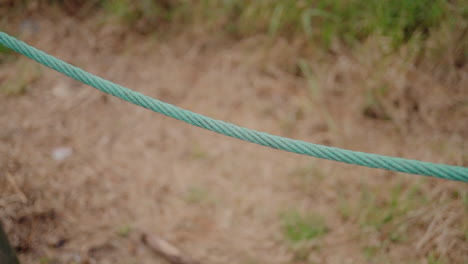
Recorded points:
(83, 175)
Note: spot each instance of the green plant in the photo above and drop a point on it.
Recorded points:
(299, 227)
(316, 20)
(143, 15)
(5, 54)
(321, 22)
(4, 50)
(385, 213)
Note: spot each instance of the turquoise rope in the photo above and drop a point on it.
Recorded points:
(352, 157)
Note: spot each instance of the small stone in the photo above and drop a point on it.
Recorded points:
(62, 90)
(62, 153)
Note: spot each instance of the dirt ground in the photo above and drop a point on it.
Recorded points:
(127, 170)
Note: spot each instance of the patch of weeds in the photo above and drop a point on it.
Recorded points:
(5, 54)
(352, 21)
(4, 50)
(124, 231)
(146, 16)
(321, 22)
(119, 8)
(299, 227)
(387, 214)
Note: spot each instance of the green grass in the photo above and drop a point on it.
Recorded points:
(4, 50)
(384, 213)
(321, 21)
(6, 54)
(299, 227)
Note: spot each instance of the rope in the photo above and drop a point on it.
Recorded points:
(449, 172)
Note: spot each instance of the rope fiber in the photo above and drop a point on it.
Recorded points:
(443, 171)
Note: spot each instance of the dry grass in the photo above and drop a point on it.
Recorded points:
(219, 199)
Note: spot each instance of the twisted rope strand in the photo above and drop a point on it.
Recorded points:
(443, 171)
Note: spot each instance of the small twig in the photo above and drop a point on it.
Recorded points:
(12, 181)
(166, 250)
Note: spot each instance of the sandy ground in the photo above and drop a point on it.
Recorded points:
(218, 199)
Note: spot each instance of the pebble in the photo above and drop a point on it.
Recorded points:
(62, 153)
